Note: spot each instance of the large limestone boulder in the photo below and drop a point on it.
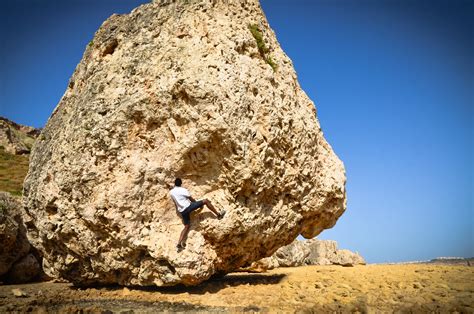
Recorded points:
(195, 89)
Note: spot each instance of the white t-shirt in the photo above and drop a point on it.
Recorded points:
(180, 197)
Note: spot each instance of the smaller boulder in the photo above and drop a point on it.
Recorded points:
(12, 233)
(347, 258)
(19, 293)
(25, 270)
(309, 252)
(291, 255)
(18, 260)
(322, 252)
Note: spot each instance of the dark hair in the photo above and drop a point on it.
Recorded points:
(178, 182)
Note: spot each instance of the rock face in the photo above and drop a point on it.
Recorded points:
(309, 252)
(17, 262)
(16, 138)
(194, 89)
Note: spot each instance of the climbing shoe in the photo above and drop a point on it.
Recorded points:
(221, 215)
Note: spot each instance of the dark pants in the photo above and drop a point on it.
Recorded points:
(187, 211)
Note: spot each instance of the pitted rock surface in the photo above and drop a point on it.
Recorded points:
(179, 88)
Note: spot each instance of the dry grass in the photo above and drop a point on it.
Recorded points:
(13, 170)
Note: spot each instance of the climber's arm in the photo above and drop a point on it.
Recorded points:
(191, 198)
(175, 205)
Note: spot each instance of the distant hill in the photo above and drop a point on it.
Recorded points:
(460, 261)
(452, 261)
(16, 138)
(16, 141)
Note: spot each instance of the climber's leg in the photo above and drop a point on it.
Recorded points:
(213, 209)
(186, 215)
(210, 206)
(182, 237)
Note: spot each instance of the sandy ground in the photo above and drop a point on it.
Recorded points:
(309, 289)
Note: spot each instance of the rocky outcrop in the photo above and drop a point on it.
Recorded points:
(16, 138)
(18, 264)
(309, 252)
(194, 89)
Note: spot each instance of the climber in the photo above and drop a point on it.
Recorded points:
(185, 204)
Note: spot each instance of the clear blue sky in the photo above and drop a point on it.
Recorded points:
(392, 82)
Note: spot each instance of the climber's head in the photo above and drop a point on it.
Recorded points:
(178, 182)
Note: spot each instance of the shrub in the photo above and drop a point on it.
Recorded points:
(8, 204)
(262, 48)
(271, 63)
(257, 34)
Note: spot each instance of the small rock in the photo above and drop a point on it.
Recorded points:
(19, 293)
(59, 280)
(125, 291)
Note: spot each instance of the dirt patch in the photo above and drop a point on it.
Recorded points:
(309, 289)
(109, 306)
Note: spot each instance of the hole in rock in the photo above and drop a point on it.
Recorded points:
(152, 125)
(110, 47)
(143, 253)
(121, 274)
(163, 262)
(30, 226)
(51, 209)
(137, 117)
